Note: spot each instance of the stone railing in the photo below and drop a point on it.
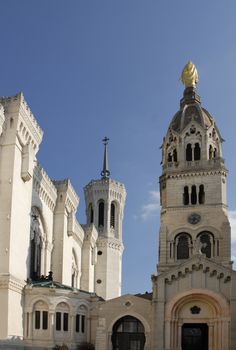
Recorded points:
(194, 165)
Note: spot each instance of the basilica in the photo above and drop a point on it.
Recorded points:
(60, 281)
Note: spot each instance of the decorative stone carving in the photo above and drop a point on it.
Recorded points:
(194, 218)
(195, 310)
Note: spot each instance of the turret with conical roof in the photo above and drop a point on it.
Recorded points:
(105, 200)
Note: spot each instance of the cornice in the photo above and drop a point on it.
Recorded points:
(7, 281)
(43, 185)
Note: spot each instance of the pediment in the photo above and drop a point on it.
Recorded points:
(198, 262)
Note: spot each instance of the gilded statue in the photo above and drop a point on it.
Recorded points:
(189, 76)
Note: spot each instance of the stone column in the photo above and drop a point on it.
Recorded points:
(72, 327)
(51, 324)
(211, 337)
(179, 336)
(30, 325)
(167, 335)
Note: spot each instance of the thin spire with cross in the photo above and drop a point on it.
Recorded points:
(105, 172)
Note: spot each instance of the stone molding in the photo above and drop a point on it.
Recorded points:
(110, 243)
(7, 281)
(195, 174)
(44, 187)
(213, 269)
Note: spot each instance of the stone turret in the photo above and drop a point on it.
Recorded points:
(105, 200)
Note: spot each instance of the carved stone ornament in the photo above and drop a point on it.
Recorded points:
(195, 310)
(194, 218)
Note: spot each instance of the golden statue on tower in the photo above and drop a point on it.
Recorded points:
(189, 76)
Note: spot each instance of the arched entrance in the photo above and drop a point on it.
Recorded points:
(128, 334)
(197, 319)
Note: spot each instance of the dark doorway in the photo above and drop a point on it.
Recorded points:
(128, 334)
(195, 336)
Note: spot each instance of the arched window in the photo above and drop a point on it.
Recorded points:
(90, 213)
(210, 152)
(40, 316)
(169, 159)
(101, 208)
(35, 246)
(186, 196)
(112, 215)
(197, 152)
(175, 155)
(201, 195)
(206, 239)
(215, 153)
(128, 333)
(62, 317)
(80, 322)
(194, 195)
(189, 152)
(182, 241)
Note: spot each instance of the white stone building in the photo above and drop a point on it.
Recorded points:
(193, 301)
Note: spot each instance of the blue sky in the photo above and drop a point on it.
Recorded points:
(90, 68)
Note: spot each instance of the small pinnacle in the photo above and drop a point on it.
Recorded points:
(105, 172)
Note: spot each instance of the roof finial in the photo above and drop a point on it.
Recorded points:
(105, 172)
(189, 76)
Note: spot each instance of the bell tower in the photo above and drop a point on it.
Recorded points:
(193, 184)
(105, 201)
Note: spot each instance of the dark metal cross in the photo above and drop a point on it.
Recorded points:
(105, 140)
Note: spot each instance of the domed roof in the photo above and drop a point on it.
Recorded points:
(191, 111)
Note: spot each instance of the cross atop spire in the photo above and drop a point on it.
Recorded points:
(105, 172)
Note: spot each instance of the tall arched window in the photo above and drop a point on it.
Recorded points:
(201, 195)
(128, 333)
(206, 239)
(183, 242)
(113, 215)
(186, 196)
(35, 246)
(40, 317)
(175, 155)
(215, 153)
(169, 159)
(189, 152)
(197, 152)
(210, 152)
(90, 213)
(101, 208)
(194, 195)
(62, 318)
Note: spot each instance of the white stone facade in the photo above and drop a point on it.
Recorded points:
(39, 233)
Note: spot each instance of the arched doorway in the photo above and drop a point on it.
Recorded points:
(197, 319)
(128, 334)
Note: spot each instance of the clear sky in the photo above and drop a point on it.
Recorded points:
(90, 68)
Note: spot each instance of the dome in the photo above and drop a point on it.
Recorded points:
(191, 111)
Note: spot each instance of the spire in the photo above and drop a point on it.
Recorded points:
(105, 172)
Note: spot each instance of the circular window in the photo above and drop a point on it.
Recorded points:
(99, 252)
(99, 281)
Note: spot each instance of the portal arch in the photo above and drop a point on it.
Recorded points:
(198, 306)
